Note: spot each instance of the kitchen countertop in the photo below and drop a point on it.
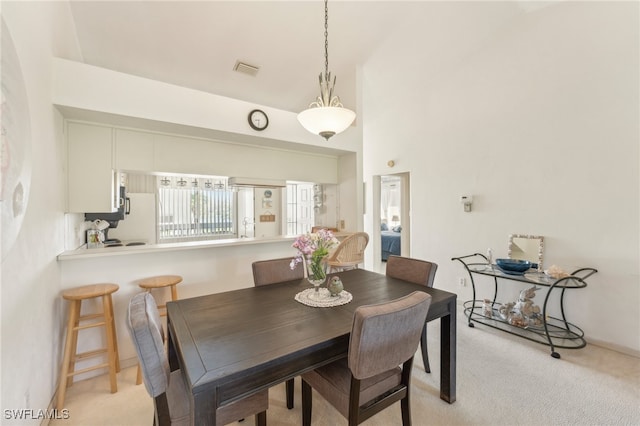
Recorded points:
(84, 253)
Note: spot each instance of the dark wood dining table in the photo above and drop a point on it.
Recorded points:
(232, 344)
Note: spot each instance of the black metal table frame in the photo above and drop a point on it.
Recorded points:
(554, 331)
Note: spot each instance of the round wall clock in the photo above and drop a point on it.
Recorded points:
(258, 120)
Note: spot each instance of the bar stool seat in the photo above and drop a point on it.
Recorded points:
(162, 281)
(100, 319)
(159, 282)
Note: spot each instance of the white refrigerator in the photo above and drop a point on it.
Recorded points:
(140, 224)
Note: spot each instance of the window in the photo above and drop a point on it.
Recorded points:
(197, 209)
(300, 212)
(193, 209)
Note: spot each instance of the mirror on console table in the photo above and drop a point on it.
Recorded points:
(527, 247)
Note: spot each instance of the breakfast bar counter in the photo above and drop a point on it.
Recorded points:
(83, 252)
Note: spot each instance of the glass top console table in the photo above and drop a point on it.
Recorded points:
(521, 317)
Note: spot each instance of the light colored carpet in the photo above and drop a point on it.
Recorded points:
(502, 380)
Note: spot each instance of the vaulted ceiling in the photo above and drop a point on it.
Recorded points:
(196, 44)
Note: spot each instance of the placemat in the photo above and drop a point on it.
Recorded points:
(323, 298)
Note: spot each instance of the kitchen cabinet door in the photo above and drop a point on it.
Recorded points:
(175, 154)
(134, 151)
(91, 178)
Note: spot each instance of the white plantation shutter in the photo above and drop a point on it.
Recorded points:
(193, 209)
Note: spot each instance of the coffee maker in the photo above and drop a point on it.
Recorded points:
(112, 217)
(105, 232)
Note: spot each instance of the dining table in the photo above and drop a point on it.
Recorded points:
(232, 344)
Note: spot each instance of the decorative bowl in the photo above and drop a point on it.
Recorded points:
(513, 265)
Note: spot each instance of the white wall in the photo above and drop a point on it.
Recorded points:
(92, 88)
(350, 192)
(536, 116)
(30, 303)
(268, 206)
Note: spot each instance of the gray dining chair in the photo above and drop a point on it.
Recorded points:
(418, 272)
(370, 379)
(172, 405)
(274, 271)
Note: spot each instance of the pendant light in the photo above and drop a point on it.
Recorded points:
(326, 116)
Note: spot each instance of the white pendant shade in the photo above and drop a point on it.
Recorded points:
(326, 116)
(326, 121)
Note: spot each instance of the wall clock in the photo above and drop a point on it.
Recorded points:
(258, 120)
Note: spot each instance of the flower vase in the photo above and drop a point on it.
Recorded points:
(316, 271)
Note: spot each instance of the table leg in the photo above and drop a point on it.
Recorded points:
(204, 407)
(171, 350)
(448, 355)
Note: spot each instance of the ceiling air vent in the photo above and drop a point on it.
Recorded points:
(246, 68)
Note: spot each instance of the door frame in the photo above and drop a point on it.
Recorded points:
(405, 216)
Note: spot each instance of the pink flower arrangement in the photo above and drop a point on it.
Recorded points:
(314, 247)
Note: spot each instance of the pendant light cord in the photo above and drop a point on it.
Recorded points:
(326, 37)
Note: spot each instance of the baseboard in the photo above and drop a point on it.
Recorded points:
(613, 347)
(129, 362)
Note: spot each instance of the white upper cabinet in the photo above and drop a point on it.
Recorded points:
(97, 151)
(134, 151)
(91, 176)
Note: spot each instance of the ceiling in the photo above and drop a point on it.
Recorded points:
(197, 44)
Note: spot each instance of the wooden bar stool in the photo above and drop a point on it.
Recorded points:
(75, 296)
(161, 281)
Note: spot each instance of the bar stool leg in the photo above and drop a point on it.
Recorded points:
(111, 341)
(174, 292)
(115, 338)
(69, 345)
(139, 376)
(76, 307)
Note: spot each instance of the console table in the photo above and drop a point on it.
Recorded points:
(554, 332)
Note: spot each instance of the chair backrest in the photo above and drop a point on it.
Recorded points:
(315, 229)
(350, 251)
(387, 334)
(143, 321)
(413, 270)
(275, 271)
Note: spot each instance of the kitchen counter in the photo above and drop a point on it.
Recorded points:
(83, 252)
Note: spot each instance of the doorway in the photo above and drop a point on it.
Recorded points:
(393, 218)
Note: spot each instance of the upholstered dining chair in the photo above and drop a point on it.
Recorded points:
(273, 271)
(349, 253)
(418, 272)
(370, 379)
(172, 405)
